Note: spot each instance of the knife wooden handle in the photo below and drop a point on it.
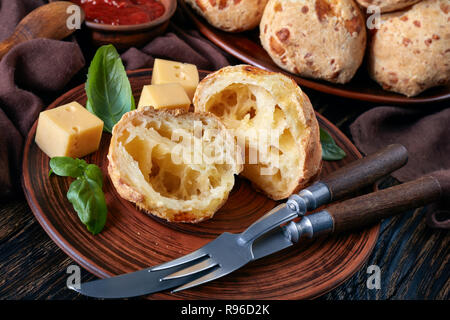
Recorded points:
(371, 208)
(365, 171)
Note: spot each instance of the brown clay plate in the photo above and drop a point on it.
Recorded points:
(133, 240)
(247, 48)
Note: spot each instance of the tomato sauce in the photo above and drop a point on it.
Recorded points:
(121, 12)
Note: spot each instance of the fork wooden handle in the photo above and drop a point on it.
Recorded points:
(365, 171)
(371, 208)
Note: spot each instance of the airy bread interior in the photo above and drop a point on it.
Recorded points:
(237, 106)
(178, 166)
(273, 122)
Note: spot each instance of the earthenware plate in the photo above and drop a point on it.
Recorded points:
(133, 240)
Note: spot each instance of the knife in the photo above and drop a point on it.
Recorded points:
(268, 234)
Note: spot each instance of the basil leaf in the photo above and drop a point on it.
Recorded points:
(85, 193)
(330, 150)
(89, 202)
(107, 87)
(94, 173)
(67, 167)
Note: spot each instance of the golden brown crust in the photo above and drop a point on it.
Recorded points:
(140, 172)
(313, 160)
(276, 103)
(323, 39)
(411, 51)
(230, 15)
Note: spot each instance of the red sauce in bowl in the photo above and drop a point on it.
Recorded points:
(121, 12)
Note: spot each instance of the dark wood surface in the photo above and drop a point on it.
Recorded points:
(413, 258)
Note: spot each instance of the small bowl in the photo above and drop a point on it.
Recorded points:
(136, 35)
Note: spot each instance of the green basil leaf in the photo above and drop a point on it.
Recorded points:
(330, 150)
(93, 172)
(89, 202)
(108, 88)
(67, 167)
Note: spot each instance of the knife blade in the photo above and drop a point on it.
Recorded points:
(129, 285)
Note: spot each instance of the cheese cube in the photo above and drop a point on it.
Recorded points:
(165, 71)
(164, 96)
(69, 130)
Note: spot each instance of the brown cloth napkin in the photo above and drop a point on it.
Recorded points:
(425, 134)
(32, 68)
(11, 12)
(186, 46)
(179, 46)
(28, 69)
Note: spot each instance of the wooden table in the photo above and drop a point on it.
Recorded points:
(413, 258)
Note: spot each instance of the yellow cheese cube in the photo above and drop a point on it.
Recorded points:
(165, 71)
(69, 130)
(160, 96)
